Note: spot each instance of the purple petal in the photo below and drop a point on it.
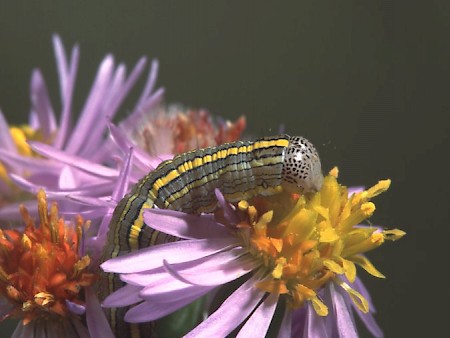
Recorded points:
(148, 311)
(61, 62)
(92, 109)
(75, 308)
(359, 286)
(220, 274)
(130, 82)
(67, 77)
(286, 324)
(74, 161)
(184, 291)
(143, 160)
(6, 141)
(10, 211)
(344, 318)
(315, 325)
(369, 322)
(231, 313)
(152, 257)
(159, 276)
(42, 105)
(23, 163)
(367, 318)
(121, 186)
(125, 296)
(95, 317)
(258, 323)
(67, 179)
(149, 86)
(184, 225)
(229, 212)
(355, 190)
(152, 101)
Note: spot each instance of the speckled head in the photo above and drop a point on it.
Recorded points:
(302, 171)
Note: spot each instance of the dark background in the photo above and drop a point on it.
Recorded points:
(367, 81)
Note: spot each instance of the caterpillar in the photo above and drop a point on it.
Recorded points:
(240, 170)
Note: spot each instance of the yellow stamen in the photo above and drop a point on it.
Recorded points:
(310, 240)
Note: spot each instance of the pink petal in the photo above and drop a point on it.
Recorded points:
(184, 225)
(231, 313)
(95, 317)
(152, 257)
(258, 323)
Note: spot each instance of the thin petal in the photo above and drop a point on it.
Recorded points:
(180, 294)
(229, 213)
(67, 78)
(286, 324)
(149, 311)
(184, 225)
(315, 325)
(234, 310)
(159, 276)
(75, 308)
(258, 323)
(42, 105)
(220, 275)
(344, 319)
(143, 160)
(125, 296)
(92, 109)
(95, 317)
(152, 257)
(6, 141)
(74, 161)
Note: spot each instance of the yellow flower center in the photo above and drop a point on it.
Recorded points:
(20, 136)
(40, 268)
(307, 241)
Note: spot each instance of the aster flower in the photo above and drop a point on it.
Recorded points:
(45, 277)
(170, 130)
(296, 252)
(22, 148)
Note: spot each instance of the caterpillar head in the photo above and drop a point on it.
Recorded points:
(302, 170)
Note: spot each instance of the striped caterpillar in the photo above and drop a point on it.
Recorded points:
(240, 170)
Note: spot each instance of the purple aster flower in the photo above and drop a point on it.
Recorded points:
(79, 159)
(298, 252)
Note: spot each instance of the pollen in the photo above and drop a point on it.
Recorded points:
(41, 268)
(310, 240)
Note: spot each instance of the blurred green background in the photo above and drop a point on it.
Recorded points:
(367, 81)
